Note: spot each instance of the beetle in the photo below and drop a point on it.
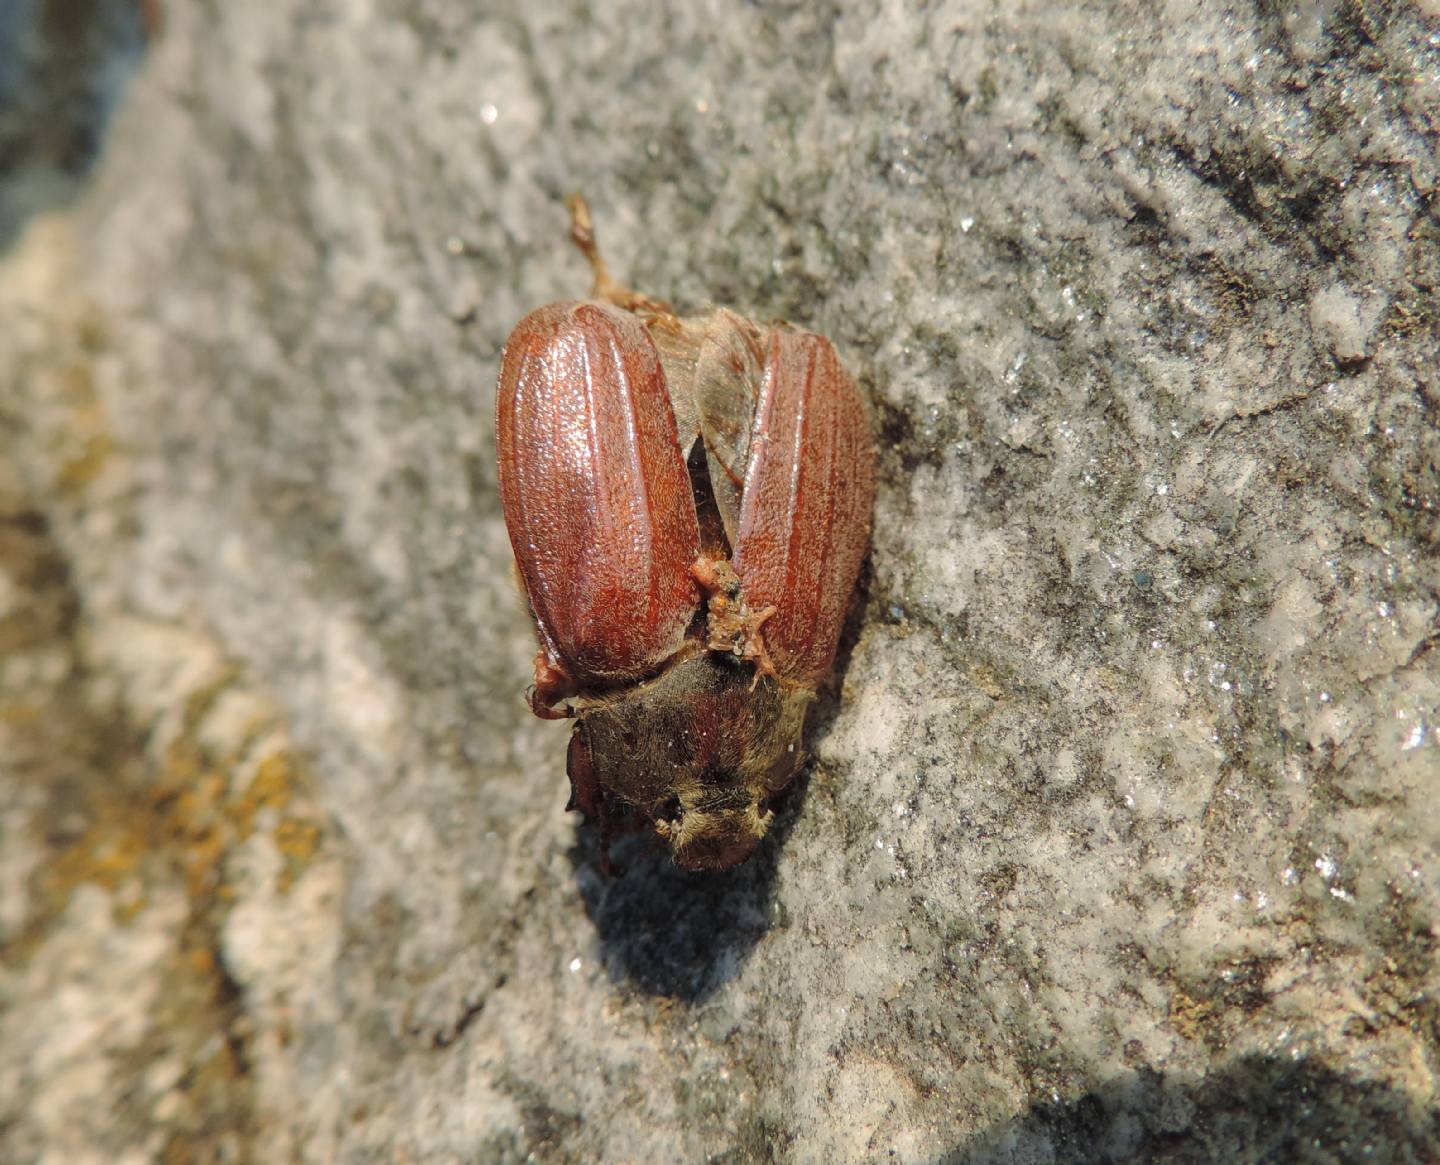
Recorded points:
(688, 499)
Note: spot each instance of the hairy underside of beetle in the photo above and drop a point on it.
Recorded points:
(698, 753)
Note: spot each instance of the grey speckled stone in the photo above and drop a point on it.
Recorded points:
(1119, 842)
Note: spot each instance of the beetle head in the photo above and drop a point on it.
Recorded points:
(712, 833)
(697, 753)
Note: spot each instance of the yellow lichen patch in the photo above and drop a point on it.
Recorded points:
(205, 823)
(111, 851)
(1190, 1016)
(106, 854)
(134, 819)
(987, 679)
(298, 841)
(191, 826)
(272, 787)
(207, 819)
(184, 820)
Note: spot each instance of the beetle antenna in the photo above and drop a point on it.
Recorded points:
(582, 234)
(604, 286)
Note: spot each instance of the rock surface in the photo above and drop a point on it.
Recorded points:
(1119, 842)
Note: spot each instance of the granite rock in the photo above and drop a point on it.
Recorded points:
(1118, 840)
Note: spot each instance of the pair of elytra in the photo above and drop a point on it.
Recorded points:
(689, 503)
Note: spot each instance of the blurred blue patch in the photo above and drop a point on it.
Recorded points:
(64, 65)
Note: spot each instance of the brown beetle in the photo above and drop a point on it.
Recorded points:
(689, 503)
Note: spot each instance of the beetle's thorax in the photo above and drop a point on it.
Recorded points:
(699, 750)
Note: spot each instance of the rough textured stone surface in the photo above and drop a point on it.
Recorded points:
(1120, 839)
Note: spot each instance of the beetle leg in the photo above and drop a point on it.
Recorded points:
(587, 796)
(585, 792)
(718, 580)
(755, 645)
(608, 866)
(724, 603)
(552, 683)
(605, 286)
(733, 628)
